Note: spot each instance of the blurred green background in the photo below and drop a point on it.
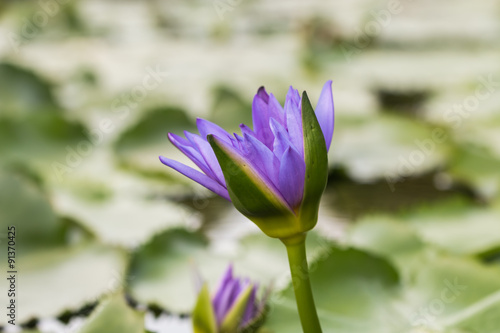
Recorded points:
(108, 239)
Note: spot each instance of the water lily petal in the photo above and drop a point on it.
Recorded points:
(208, 155)
(325, 113)
(206, 127)
(292, 96)
(197, 176)
(276, 110)
(191, 152)
(260, 118)
(228, 296)
(293, 117)
(281, 138)
(251, 309)
(262, 93)
(262, 157)
(291, 177)
(218, 298)
(256, 193)
(247, 130)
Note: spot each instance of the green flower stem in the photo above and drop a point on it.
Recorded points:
(296, 249)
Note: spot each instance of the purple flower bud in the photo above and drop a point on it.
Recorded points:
(233, 307)
(274, 173)
(230, 290)
(274, 148)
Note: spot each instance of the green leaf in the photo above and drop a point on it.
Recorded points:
(71, 277)
(23, 92)
(353, 291)
(234, 317)
(316, 158)
(115, 220)
(357, 292)
(252, 196)
(229, 109)
(391, 238)
(454, 225)
(451, 292)
(203, 314)
(46, 141)
(387, 146)
(477, 166)
(113, 315)
(162, 271)
(138, 147)
(26, 207)
(458, 227)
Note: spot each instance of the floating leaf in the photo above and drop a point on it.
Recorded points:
(162, 271)
(458, 227)
(23, 92)
(124, 219)
(24, 206)
(139, 147)
(353, 292)
(71, 277)
(387, 147)
(114, 315)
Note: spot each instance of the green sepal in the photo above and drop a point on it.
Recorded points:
(203, 315)
(316, 158)
(235, 315)
(251, 195)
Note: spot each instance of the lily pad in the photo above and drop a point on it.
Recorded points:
(114, 315)
(387, 146)
(357, 292)
(353, 292)
(138, 148)
(45, 140)
(477, 166)
(163, 272)
(23, 92)
(123, 219)
(25, 207)
(65, 278)
(458, 227)
(229, 109)
(451, 292)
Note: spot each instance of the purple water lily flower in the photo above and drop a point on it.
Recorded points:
(230, 290)
(273, 150)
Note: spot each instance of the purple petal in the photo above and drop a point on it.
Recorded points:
(325, 112)
(197, 176)
(206, 127)
(191, 152)
(246, 130)
(263, 158)
(255, 173)
(276, 110)
(260, 118)
(292, 177)
(228, 297)
(251, 309)
(281, 139)
(262, 93)
(293, 115)
(217, 300)
(292, 96)
(208, 155)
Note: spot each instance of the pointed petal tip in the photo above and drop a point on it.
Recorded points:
(164, 160)
(262, 94)
(325, 112)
